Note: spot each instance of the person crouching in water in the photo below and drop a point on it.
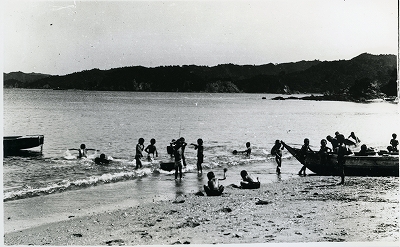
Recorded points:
(341, 151)
(213, 188)
(178, 154)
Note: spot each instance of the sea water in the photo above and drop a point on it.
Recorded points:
(112, 122)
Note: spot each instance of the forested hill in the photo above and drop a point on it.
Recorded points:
(367, 75)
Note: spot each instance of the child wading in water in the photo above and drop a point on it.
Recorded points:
(139, 153)
(200, 154)
(151, 149)
(276, 150)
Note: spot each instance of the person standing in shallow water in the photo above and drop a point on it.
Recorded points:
(303, 155)
(276, 150)
(139, 153)
(200, 154)
(178, 154)
(151, 149)
(341, 151)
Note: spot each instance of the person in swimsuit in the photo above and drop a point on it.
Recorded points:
(101, 160)
(139, 153)
(303, 155)
(178, 154)
(200, 155)
(276, 150)
(213, 188)
(151, 149)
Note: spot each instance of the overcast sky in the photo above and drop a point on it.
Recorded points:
(61, 37)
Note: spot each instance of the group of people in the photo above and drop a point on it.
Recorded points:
(339, 146)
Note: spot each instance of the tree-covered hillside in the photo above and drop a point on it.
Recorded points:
(365, 76)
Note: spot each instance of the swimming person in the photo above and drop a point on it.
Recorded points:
(139, 153)
(178, 153)
(101, 160)
(303, 155)
(247, 151)
(82, 150)
(200, 155)
(393, 144)
(276, 150)
(151, 149)
(213, 188)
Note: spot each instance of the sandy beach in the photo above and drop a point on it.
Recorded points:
(305, 209)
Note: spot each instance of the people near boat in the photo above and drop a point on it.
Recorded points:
(342, 150)
(276, 150)
(248, 182)
(363, 151)
(213, 188)
(393, 144)
(178, 154)
(82, 151)
(323, 152)
(151, 150)
(333, 142)
(247, 151)
(101, 160)
(170, 148)
(303, 155)
(354, 137)
(200, 156)
(139, 153)
(184, 144)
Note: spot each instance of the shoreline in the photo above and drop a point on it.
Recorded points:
(305, 209)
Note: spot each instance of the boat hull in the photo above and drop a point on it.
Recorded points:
(372, 165)
(16, 143)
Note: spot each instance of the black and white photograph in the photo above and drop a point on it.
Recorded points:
(194, 122)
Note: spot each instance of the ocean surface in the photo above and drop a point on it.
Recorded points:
(112, 122)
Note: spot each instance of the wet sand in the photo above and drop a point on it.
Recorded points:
(301, 210)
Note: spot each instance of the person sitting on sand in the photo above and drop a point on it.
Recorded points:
(248, 182)
(276, 150)
(303, 155)
(323, 152)
(101, 160)
(151, 149)
(247, 151)
(213, 188)
(393, 144)
(82, 151)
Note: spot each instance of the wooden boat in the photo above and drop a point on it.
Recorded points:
(370, 165)
(16, 143)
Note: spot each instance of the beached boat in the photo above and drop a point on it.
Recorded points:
(371, 165)
(16, 143)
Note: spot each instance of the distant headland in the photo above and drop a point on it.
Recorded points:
(361, 78)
